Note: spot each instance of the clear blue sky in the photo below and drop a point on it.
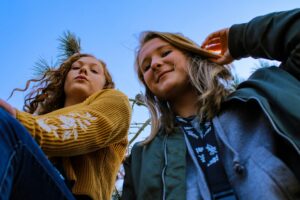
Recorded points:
(109, 29)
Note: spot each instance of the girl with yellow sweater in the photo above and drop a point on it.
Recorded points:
(81, 127)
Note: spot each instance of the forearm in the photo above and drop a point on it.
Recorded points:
(272, 36)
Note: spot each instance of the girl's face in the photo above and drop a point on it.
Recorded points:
(164, 69)
(86, 76)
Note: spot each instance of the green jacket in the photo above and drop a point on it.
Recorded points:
(146, 167)
(159, 168)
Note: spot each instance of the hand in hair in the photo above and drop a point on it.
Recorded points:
(11, 110)
(218, 41)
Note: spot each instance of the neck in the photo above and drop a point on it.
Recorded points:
(185, 105)
(73, 101)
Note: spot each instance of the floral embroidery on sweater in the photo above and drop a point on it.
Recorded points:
(70, 123)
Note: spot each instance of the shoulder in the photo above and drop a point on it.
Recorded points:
(137, 149)
(156, 144)
(108, 93)
(110, 102)
(110, 97)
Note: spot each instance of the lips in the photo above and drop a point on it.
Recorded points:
(80, 77)
(161, 74)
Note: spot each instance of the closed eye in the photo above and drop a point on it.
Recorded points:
(75, 67)
(94, 71)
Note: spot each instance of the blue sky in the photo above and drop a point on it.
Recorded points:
(110, 30)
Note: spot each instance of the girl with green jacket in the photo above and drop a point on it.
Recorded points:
(208, 141)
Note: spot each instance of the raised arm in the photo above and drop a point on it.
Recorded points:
(273, 36)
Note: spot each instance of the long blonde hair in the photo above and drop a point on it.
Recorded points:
(210, 80)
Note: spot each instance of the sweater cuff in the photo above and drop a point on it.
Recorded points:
(236, 41)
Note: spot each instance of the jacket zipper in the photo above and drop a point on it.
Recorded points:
(165, 166)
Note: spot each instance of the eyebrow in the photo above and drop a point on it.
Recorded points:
(92, 64)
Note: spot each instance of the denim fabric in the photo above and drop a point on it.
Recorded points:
(25, 171)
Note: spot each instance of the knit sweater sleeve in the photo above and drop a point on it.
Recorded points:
(101, 120)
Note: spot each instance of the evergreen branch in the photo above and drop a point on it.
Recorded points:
(69, 45)
(41, 67)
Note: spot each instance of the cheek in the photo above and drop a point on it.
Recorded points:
(148, 78)
(99, 83)
(182, 68)
(67, 82)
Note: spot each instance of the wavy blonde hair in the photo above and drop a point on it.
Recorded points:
(211, 81)
(48, 93)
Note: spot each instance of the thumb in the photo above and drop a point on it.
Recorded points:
(223, 60)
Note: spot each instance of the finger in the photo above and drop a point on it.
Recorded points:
(214, 47)
(214, 40)
(214, 60)
(217, 34)
(221, 61)
(210, 37)
(224, 60)
(213, 35)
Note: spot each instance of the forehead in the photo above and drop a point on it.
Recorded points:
(151, 46)
(89, 60)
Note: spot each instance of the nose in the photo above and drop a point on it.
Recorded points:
(156, 63)
(83, 70)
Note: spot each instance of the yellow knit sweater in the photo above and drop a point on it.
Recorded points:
(90, 138)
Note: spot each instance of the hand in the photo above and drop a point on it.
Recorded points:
(218, 41)
(11, 110)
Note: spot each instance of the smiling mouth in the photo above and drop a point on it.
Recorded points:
(162, 74)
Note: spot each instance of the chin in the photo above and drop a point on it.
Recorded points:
(171, 94)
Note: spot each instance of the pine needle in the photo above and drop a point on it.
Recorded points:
(69, 45)
(41, 67)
